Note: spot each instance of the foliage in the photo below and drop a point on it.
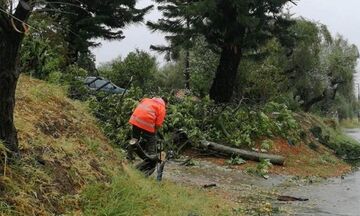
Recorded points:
(176, 22)
(321, 67)
(232, 26)
(170, 76)
(114, 112)
(83, 21)
(203, 63)
(43, 52)
(267, 145)
(203, 66)
(86, 61)
(235, 161)
(343, 146)
(77, 90)
(262, 79)
(261, 169)
(201, 119)
(139, 65)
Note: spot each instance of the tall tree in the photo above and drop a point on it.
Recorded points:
(231, 25)
(11, 36)
(87, 20)
(13, 18)
(176, 22)
(319, 65)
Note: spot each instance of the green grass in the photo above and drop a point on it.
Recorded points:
(131, 194)
(344, 145)
(46, 91)
(350, 123)
(335, 139)
(78, 172)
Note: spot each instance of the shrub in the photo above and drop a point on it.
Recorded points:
(201, 119)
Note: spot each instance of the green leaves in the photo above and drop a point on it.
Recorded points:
(235, 161)
(113, 113)
(261, 169)
(139, 65)
(201, 119)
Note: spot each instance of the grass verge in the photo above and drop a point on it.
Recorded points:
(132, 194)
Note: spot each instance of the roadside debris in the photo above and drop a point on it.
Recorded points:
(291, 199)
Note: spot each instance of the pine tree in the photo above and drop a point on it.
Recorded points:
(87, 20)
(176, 22)
(234, 26)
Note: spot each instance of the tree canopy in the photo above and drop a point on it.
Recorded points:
(84, 21)
(232, 26)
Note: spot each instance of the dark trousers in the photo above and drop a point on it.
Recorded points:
(148, 145)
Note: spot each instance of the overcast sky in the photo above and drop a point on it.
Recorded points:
(341, 16)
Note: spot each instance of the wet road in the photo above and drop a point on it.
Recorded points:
(338, 196)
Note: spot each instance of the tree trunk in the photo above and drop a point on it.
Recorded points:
(222, 88)
(248, 155)
(187, 69)
(9, 75)
(307, 105)
(187, 59)
(10, 42)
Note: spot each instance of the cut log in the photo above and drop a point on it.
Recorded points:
(245, 154)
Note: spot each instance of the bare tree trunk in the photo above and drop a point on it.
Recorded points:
(8, 80)
(187, 69)
(222, 88)
(10, 42)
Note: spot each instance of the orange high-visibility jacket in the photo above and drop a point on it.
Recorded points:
(149, 114)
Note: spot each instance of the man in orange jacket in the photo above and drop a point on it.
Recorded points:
(147, 117)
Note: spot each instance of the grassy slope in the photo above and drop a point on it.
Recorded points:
(312, 157)
(68, 167)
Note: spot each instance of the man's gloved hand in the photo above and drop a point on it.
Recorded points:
(170, 154)
(130, 153)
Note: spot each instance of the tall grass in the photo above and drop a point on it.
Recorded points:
(133, 195)
(350, 123)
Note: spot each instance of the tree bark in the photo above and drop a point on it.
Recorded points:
(222, 88)
(187, 60)
(8, 80)
(10, 42)
(248, 155)
(307, 105)
(187, 69)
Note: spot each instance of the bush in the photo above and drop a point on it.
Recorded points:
(201, 119)
(139, 65)
(344, 146)
(77, 90)
(114, 111)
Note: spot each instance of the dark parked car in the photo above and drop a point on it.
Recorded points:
(101, 84)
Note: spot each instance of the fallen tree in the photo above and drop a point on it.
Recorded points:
(248, 155)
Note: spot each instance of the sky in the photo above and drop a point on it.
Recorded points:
(341, 17)
(137, 36)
